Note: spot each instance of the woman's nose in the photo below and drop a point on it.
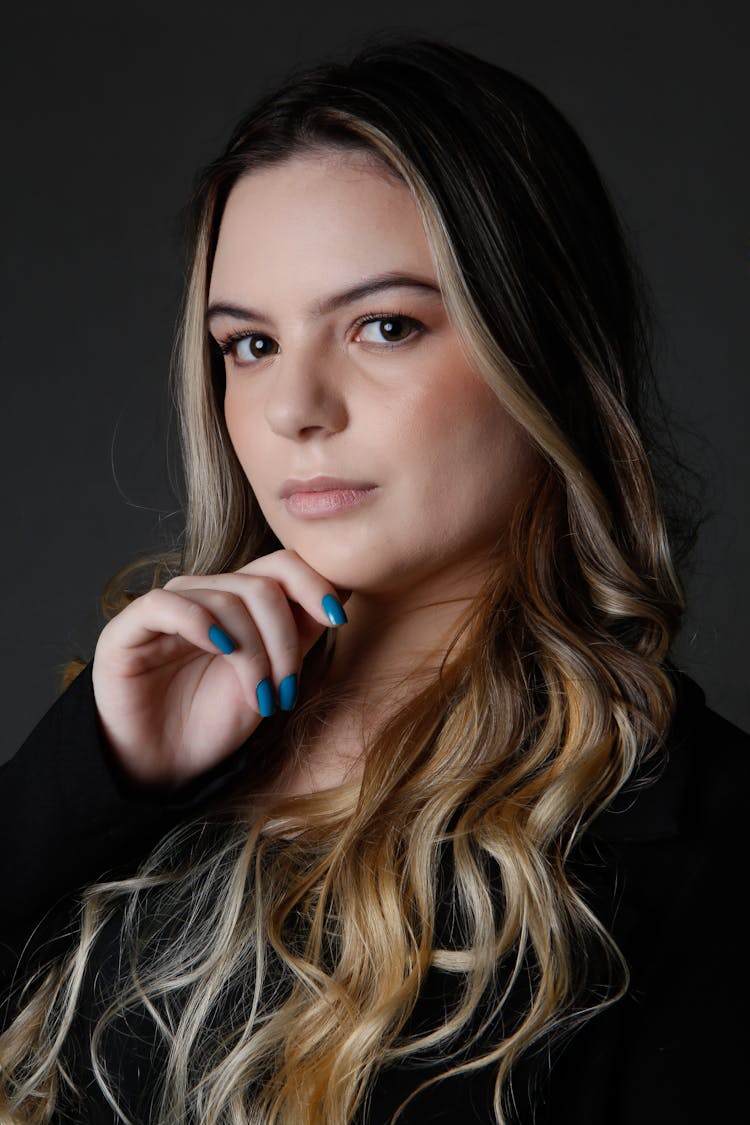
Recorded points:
(306, 393)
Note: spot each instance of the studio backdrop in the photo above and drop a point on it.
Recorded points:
(107, 116)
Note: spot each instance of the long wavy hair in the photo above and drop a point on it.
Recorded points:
(279, 973)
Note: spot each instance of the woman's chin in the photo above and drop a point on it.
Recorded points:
(357, 575)
(345, 571)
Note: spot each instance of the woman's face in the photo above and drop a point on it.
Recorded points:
(392, 403)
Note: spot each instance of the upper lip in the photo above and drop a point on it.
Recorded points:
(320, 484)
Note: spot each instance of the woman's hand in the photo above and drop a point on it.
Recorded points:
(171, 704)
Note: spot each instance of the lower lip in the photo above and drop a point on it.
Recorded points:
(317, 504)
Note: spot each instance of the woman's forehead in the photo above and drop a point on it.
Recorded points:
(319, 227)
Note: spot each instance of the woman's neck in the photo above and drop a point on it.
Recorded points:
(396, 637)
(391, 647)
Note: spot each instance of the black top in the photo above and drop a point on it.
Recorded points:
(664, 869)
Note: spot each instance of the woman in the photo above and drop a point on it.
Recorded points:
(435, 852)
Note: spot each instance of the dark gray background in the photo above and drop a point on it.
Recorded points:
(106, 120)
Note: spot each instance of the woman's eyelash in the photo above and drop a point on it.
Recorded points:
(228, 342)
(392, 315)
(225, 346)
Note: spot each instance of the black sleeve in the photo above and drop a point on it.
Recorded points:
(68, 817)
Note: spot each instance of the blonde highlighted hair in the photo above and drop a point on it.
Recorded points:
(280, 975)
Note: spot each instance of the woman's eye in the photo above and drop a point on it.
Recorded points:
(388, 329)
(249, 348)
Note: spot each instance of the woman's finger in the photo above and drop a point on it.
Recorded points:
(315, 602)
(301, 584)
(255, 618)
(133, 641)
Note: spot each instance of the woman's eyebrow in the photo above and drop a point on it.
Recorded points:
(336, 300)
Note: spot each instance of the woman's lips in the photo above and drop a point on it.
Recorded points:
(328, 502)
(324, 495)
(321, 483)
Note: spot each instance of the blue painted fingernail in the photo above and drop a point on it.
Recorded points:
(221, 639)
(264, 693)
(288, 692)
(334, 610)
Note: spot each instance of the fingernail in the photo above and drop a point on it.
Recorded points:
(264, 693)
(288, 692)
(221, 639)
(334, 610)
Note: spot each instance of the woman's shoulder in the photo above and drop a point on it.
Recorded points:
(698, 786)
(717, 792)
(668, 861)
(663, 868)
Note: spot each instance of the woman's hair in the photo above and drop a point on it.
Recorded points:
(281, 974)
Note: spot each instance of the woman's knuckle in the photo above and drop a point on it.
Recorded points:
(260, 581)
(152, 597)
(196, 610)
(224, 599)
(290, 648)
(267, 588)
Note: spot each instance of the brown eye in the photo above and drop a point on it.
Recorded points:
(395, 328)
(249, 348)
(388, 329)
